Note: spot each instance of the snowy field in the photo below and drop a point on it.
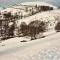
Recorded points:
(47, 48)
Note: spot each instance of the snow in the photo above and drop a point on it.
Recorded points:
(51, 16)
(10, 24)
(38, 3)
(12, 10)
(47, 48)
(12, 42)
(1, 8)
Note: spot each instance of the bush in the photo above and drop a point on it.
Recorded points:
(7, 15)
(57, 27)
(32, 29)
(35, 27)
(11, 29)
(46, 8)
(24, 28)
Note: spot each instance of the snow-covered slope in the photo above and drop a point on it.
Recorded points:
(47, 48)
(38, 3)
(51, 16)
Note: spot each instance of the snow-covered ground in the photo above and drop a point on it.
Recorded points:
(47, 48)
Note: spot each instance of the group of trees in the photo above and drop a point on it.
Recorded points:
(5, 29)
(8, 25)
(33, 28)
(46, 8)
(35, 9)
(9, 16)
(43, 8)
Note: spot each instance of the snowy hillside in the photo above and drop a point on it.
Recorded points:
(49, 16)
(47, 48)
(23, 48)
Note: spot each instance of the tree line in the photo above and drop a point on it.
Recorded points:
(33, 28)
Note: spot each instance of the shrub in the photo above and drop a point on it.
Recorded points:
(11, 29)
(57, 27)
(35, 27)
(7, 15)
(46, 8)
(51, 8)
(24, 28)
